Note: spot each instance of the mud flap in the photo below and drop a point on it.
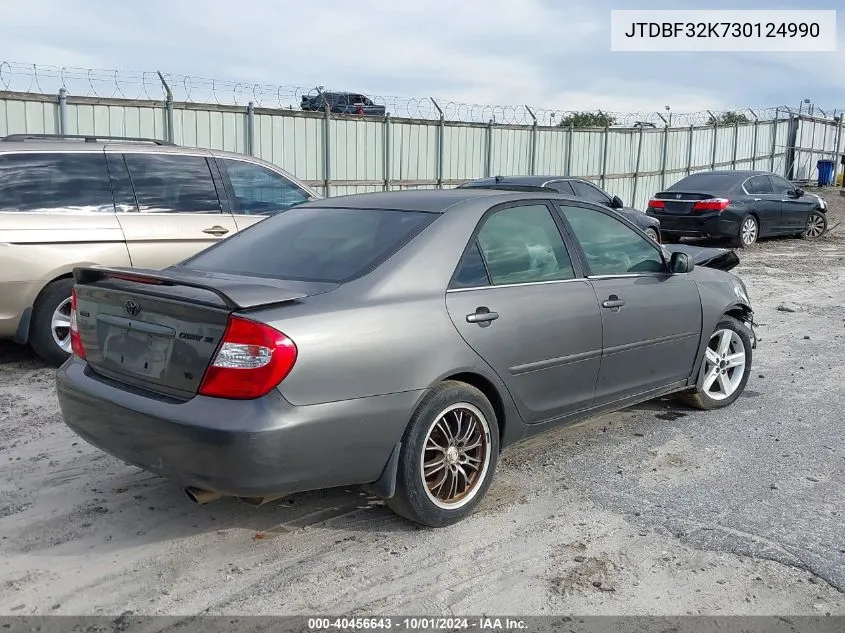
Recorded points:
(385, 486)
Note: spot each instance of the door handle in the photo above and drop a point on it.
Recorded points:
(482, 316)
(612, 302)
(216, 231)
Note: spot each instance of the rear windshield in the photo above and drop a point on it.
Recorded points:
(314, 244)
(706, 182)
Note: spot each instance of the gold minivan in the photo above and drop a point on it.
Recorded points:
(80, 201)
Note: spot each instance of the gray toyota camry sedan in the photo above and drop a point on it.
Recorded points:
(395, 340)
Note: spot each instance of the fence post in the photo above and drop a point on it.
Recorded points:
(774, 140)
(715, 139)
(250, 128)
(569, 149)
(440, 150)
(663, 154)
(386, 151)
(689, 150)
(736, 142)
(604, 152)
(532, 159)
(754, 139)
(637, 167)
(62, 111)
(488, 161)
(327, 153)
(168, 104)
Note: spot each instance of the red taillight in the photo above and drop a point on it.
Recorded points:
(252, 359)
(75, 339)
(711, 204)
(656, 204)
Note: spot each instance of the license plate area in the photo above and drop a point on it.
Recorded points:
(135, 347)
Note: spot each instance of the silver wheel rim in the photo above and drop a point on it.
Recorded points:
(60, 325)
(749, 231)
(455, 456)
(724, 365)
(815, 226)
(652, 234)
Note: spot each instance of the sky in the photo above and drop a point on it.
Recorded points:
(550, 54)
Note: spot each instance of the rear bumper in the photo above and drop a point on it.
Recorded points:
(699, 225)
(244, 448)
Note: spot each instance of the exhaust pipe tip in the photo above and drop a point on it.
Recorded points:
(201, 496)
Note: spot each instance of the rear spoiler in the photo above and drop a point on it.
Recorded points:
(236, 294)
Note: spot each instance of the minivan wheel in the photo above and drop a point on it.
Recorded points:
(49, 330)
(725, 367)
(816, 226)
(448, 457)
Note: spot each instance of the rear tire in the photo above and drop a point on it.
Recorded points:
(49, 330)
(652, 234)
(449, 454)
(816, 226)
(749, 231)
(724, 369)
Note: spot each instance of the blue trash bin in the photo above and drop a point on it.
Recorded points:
(826, 168)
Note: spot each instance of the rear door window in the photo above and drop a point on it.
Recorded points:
(589, 192)
(172, 183)
(314, 244)
(70, 182)
(759, 184)
(258, 190)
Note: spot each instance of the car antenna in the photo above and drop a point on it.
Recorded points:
(498, 179)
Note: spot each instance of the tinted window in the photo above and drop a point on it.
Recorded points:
(583, 190)
(259, 190)
(562, 186)
(172, 184)
(314, 244)
(779, 185)
(523, 244)
(707, 182)
(55, 182)
(611, 247)
(124, 195)
(759, 184)
(471, 272)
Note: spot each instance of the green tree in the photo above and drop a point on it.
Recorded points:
(728, 118)
(588, 119)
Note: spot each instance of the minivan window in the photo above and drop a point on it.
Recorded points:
(175, 183)
(258, 190)
(314, 244)
(69, 182)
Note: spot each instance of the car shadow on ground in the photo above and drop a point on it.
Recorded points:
(21, 355)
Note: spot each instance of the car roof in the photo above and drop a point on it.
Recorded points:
(739, 173)
(518, 180)
(429, 200)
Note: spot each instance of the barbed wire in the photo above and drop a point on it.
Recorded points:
(114, 84)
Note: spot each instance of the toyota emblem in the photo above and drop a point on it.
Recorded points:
(132, 308)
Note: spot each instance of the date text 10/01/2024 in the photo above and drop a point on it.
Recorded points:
(415, 624)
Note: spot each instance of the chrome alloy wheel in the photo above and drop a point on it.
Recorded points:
(815, 226)
(455, 456)
(748, 231)
(724, 364)
(60, 325)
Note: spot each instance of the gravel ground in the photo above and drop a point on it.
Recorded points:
(655, 510)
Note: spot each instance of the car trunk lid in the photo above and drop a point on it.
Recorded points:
(676, 202)
(160, 330)
(718, 258)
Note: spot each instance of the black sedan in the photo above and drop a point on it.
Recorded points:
(571, 187)
(740, 205)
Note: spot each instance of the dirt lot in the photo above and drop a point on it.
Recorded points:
(659, 509)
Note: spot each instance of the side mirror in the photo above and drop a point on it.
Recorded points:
(616, 202)
(799, 192)
(680, 263)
